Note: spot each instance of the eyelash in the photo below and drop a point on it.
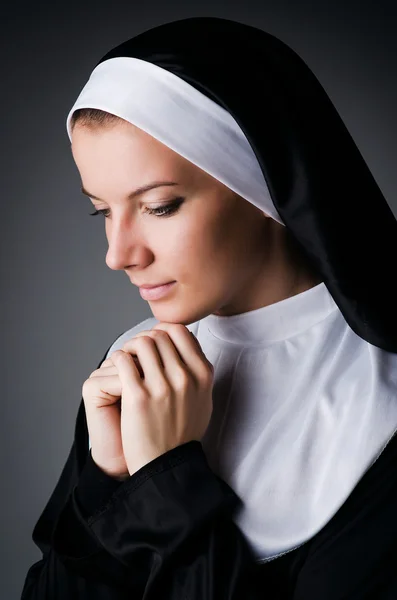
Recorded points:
(160, 211)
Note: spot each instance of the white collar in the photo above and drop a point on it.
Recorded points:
(275, 322)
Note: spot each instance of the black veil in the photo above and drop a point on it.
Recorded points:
(316, 175)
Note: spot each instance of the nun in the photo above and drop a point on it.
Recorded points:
(240, 444)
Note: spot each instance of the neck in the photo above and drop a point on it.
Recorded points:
(287, 272)
(283, 273)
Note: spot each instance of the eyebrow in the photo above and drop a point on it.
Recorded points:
(134, 193)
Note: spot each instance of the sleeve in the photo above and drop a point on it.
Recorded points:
(167, 533)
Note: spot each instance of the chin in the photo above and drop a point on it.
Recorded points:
(173, 313)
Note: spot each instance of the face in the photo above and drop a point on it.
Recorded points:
(202, 235)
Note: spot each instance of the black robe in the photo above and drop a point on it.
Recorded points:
(167, 533)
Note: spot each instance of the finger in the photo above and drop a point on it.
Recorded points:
(127, 370)
(136, 361)
(155, 363)
(188, 348)
(102, 391)
(172, 368)
(111, 369)
(106, 363)
(197, 343)
(170, 350)
(104, 371)
(130, 348)
(149, 333)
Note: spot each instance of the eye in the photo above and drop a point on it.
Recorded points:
(166, 209)
(103, 211)
(160, 211)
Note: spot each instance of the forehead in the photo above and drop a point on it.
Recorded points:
(120, 137)
(121, 146)
(122, 154)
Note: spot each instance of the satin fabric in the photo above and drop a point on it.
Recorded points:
(166, 107)
(167, 533)
(292, 376)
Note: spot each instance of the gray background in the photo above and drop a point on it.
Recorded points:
(61, 306)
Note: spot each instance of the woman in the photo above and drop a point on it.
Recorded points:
(256, 457)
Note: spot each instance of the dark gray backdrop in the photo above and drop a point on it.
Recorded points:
(61, 306)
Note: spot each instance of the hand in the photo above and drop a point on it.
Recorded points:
(101, 395)
(172, 403)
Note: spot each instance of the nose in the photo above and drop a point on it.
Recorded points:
(125, 248)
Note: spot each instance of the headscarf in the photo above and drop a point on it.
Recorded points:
(257, 92)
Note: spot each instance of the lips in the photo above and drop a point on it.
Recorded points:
(157, 292)
(149, 287)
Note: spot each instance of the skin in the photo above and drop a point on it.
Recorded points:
(226, 255)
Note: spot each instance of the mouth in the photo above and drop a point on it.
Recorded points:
(149, 287)
(153, 293)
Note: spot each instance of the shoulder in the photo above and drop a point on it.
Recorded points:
(129, 333)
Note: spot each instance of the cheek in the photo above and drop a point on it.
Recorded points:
(190, 249)
(207, 252)
(183, 248)
(184, 237)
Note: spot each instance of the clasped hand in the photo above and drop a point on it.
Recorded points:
(147, 398)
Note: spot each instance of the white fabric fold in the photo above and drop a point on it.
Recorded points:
(302, 407)
(182, 118)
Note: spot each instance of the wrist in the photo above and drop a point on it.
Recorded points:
(117, 472)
